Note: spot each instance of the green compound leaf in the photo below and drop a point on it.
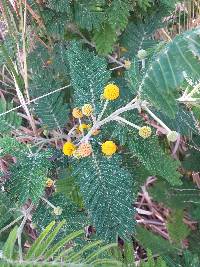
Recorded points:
(10, 121)
(118, 14)
(133, 76)
(107, 191)
(137, 37)
(154, 242)
(158, 262)
(139, 33)
(28, 176)
(179, 197)
(9, 145)
(183, 123)
(151, 155)
(192, 156)
(6, 209)
(47, 76)
(74, 217)
(50, 109)
(177, 230)
(104, 39)
(88, 16)
(166, 73)
(89, 75)
(58, 5)
(8, 249)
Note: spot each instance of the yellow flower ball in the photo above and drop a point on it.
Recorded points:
(83, 127)
(49, 182)
(85, 150)
(87, 110)
(145, 132)
(77, 113)
(111, 92)
(108, 148)
(68, 149)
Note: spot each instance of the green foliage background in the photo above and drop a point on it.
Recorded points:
(77, 48)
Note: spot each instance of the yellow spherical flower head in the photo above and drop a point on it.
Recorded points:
(77, 113)
(68, 149)
(83, 127)
(85, 150)
(111, 92)
(145, 132)
(108, 148)
(87, 110)
(49, 182)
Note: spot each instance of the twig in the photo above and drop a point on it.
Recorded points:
(156, 118)
(111, 117)
(25, 69)
(20, 230)
(10, 224)
(35, 99)
(24, 105)
(48, 202)
(118, 118)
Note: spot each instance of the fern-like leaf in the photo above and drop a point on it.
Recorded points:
(88, 15)
(28, 174)
(184, 122)
(166, 73)
(154, 242)
(139, 33)
(104, 39)
(151, 155)
(118, 14)
(177, 230)
(6, 209)
(10, 121)
(89, 75)
(107, 191)
(51, 109)
(175, 197)
(59, 6)
(8, 249)
(75, 218)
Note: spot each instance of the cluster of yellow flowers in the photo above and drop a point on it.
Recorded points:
(108, 148)
(86, 110)
(84, 150)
